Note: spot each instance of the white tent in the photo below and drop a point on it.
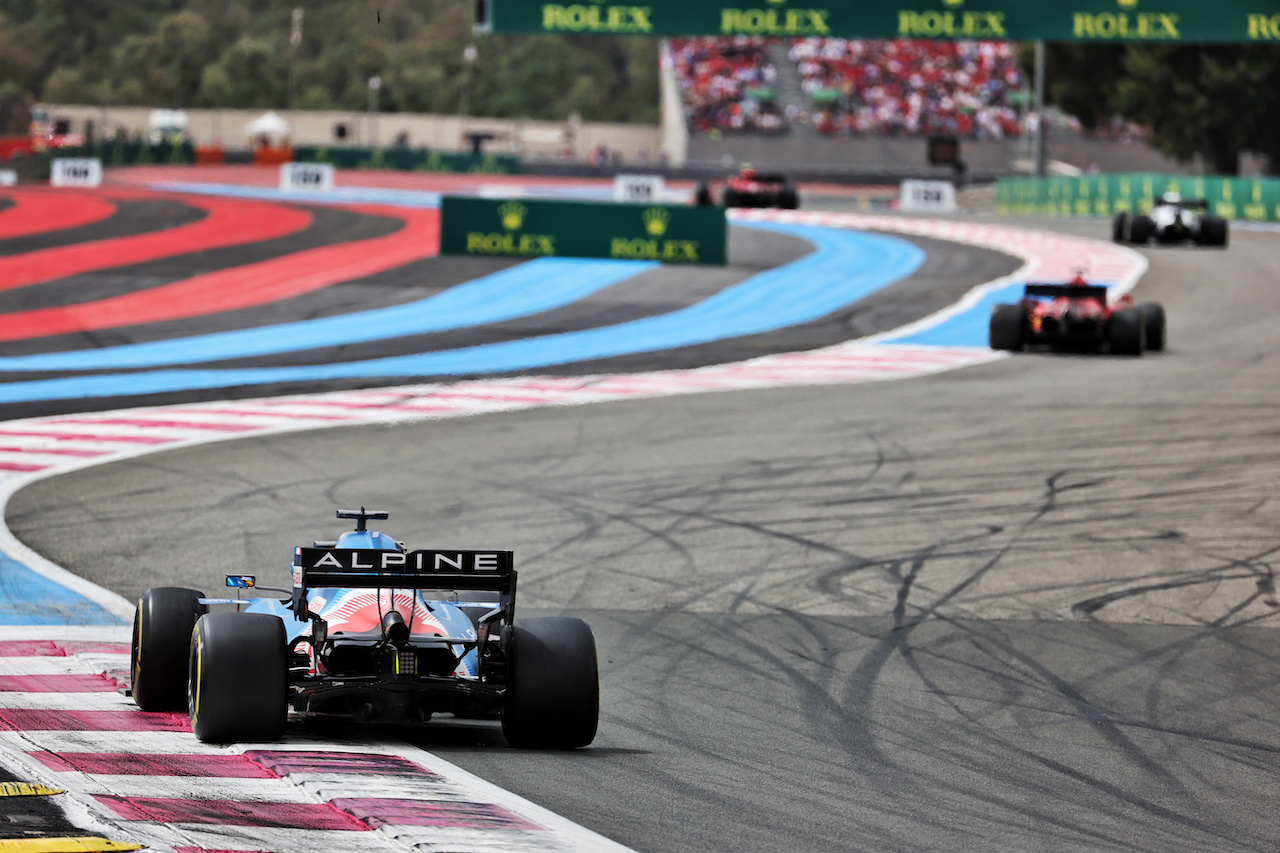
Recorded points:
(269, 125)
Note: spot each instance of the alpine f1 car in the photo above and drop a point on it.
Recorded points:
(1077, 317)
(750, 188)
(1171, 220)
(368, 631)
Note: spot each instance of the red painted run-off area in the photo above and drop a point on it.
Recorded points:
(359, 814)
(227, 222)
(34, 719)
(253, 764)
(230, 222)
(60, 683)
(232, 813)
(133, 764)
(58, 648)
(36, 211)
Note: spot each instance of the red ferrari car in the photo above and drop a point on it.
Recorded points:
(749, 188)
(1077, 317)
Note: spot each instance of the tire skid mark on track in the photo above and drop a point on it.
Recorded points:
(440, 823)
(152, 782)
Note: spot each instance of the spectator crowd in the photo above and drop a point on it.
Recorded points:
(855, 86)
(726, 84)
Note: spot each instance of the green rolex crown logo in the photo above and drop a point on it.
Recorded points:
(512, 214)
(655, 221)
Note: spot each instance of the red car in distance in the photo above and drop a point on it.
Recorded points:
(749, 188)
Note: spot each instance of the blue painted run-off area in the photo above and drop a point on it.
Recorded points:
(28, 598)
(844, 267)
(538, 285)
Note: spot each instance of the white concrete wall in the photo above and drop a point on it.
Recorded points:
(535, 139)
(675, 129)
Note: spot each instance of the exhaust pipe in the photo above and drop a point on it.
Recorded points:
(393, 627)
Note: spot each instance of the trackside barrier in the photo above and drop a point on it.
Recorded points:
(408, 160)
(1255, 199)
(529, 228)
(133, 153)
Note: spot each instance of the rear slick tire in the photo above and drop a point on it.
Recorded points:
(162, 625)
(1127, 333)
(1008, 328)
(1140, 229)
(553, 684)
(1153, 319)
(1213, 232)
(1120, 227)
(239, 678)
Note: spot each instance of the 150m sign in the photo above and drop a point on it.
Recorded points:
(1070, 20)
(533, 228)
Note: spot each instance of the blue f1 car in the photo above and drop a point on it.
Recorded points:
(369, 631)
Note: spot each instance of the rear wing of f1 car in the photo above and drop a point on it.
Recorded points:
(358, 568)
(1068, 291)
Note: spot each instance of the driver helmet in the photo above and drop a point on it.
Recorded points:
(1171, 198)
(747, 171)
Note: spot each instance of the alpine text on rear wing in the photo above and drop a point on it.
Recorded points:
(427, 568)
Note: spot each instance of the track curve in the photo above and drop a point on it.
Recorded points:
(208, 325)
(1027, 605)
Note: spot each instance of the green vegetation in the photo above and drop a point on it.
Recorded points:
(1217, 101)
(237, 54)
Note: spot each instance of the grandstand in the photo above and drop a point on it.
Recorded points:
(727, 84)
(851, 87)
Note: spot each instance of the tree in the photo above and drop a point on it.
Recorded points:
(1214, 101)
(20, 60)
(71, 85)
(600, 78)
(1080, 78)
(252, 73)
(237, 53)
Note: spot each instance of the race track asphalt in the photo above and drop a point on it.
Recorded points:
(1025, 605)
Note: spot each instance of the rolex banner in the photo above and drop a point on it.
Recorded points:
(535, 228)
(1019, 20)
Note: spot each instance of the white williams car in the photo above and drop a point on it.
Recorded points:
(1171, 220)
